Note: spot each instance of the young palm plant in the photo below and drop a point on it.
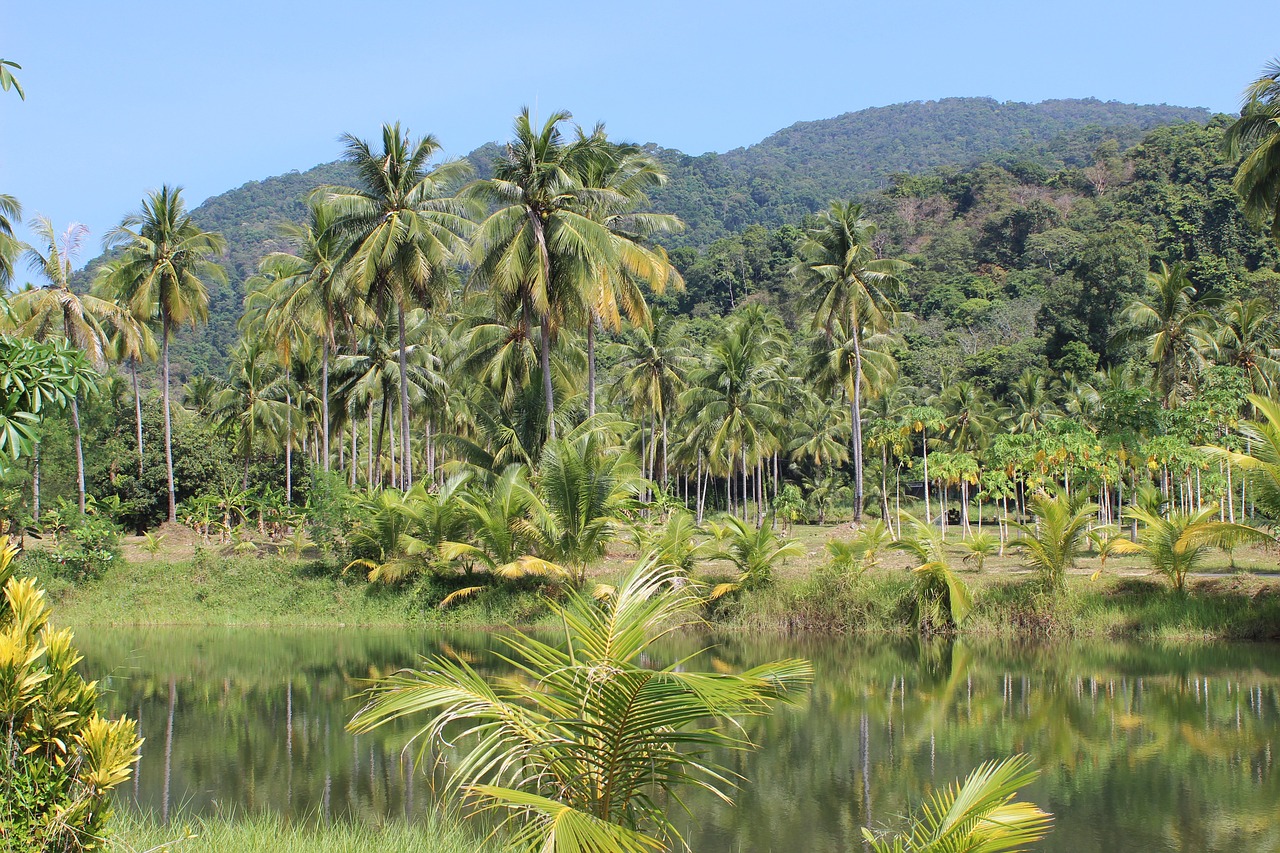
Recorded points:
(753, 551)
(1057, 538)
(1176, 545)
(978, 815)
(943, 600)
(978, 547)
(582, 751)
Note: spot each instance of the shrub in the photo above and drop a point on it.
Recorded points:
(61, 758)
(86, 550)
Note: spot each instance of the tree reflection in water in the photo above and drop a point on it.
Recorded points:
(1142, 747)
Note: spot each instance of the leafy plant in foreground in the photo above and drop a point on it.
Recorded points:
(582, 750)
(978, 816)
(61, 758)
(1057, 539)
(753, 551)
(1176, 545)
(943, 599)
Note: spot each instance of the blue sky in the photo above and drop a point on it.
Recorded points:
(122, 97)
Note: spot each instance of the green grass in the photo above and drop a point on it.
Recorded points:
(271, 592)
(277, 591)
(135, 833)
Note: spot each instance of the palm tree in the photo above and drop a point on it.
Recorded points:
(133, 342)
(1258, 131)
(1262, 463)
(313, 293)
(244, 409)
(1057, 539)
(542, 246)
(1176, 545)
(614, 184)
(943, 599)
(978, 815)
(403, 230)
(56, 309)
(584, 490)
(1247, 338)
(656, 362)
(587, 748)
(852, 287)
(161, 275)
(10, 246)
(754, 551)
(1175, 327)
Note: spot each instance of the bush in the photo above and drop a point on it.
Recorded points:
(61, 758)
(86, 550)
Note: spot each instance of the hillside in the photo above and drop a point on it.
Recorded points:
(779, 180)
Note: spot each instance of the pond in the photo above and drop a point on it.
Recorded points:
(1143, 748)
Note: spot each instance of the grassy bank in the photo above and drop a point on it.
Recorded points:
(213, 590)
(134, 833)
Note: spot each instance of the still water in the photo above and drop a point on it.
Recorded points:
(1143, 748)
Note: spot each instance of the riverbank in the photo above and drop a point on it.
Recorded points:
(277, 591)
(131, 832)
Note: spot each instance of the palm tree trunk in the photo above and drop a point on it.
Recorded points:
(168, 421)
(857, 424)
(369, 451)
(924, 444)
(75, 425)
(382, 429)
(288, 448)
(406, 461)
(137, 411)
(664, 450)
(591, 364)
(548, 389)
(324, 405)
(355, 459)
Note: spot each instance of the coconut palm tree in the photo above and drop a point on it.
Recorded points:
(615, 183)
(585, 751)
(943, 599)
(161, 275)
(1257, 132)
(849, 285)
(655, 361)
(244, 409)
(1176, 545)
(1262, 462)
(1059, 535)
(403, 229)
(57, 310)
(1175, 328)
(1248, 339)
(541, 247)
(314, 293)
(584, 490)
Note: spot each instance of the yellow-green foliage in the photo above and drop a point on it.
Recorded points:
(61, 758)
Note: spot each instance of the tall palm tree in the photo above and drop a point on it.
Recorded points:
(655, 361)
(245, 409)
(314, 293)
(10, 246)
(161, 275)
(849, 286)
(1248, 339)
(57, 310)
(1175, 327)
(616, 181)
(537, 252)
(1258, 130)
(404, 229)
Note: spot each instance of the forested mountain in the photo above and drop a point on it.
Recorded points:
(1018, 266)
(780, 180)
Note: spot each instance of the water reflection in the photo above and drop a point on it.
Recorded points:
(1144, 748)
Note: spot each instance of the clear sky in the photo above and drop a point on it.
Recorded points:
(124, 96)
